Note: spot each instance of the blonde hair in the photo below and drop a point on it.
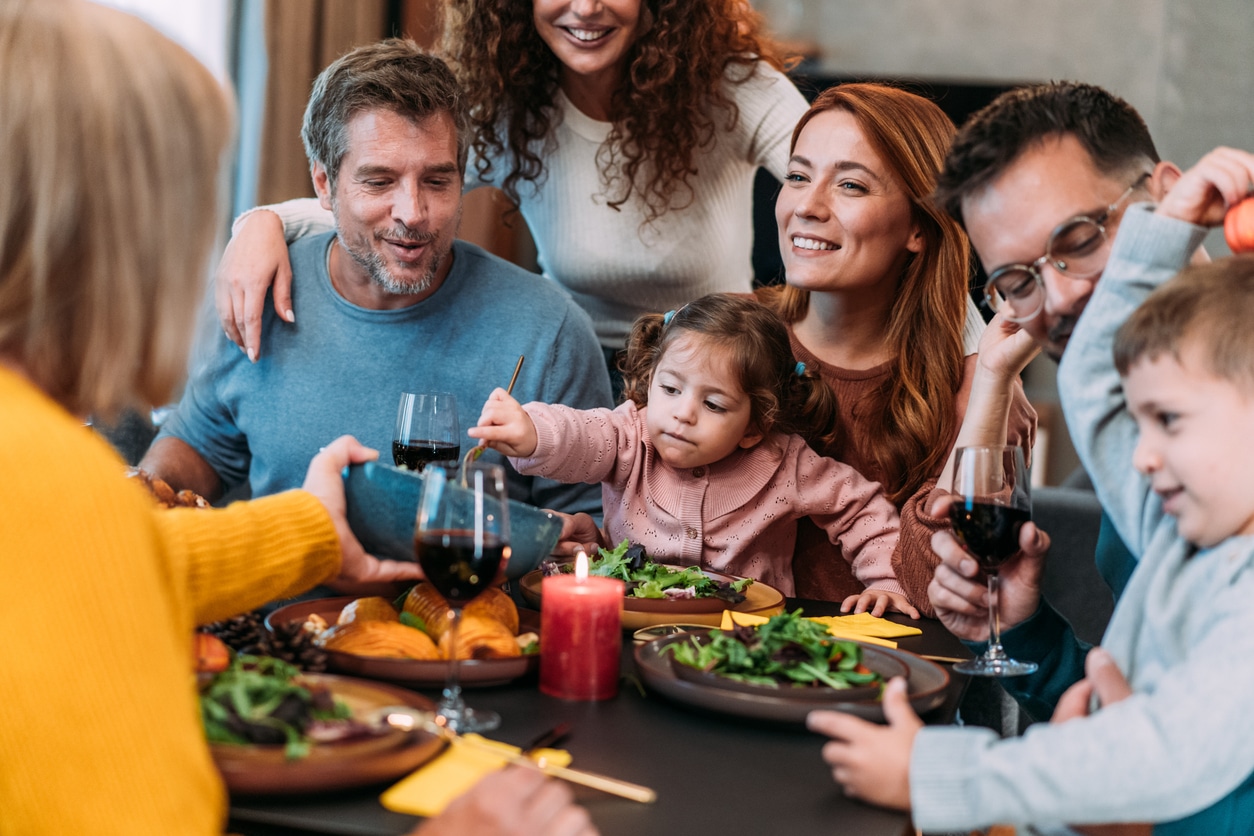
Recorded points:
(111, 137)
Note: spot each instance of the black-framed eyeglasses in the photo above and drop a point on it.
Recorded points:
(1076, 247)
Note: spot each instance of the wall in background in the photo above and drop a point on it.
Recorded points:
(1186, 65)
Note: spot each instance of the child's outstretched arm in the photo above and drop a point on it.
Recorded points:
(505, 426)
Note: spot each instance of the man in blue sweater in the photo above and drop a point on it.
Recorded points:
(389, 301)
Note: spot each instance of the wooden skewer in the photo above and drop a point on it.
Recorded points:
(604, 783)
(945, 659)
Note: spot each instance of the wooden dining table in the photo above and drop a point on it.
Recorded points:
(714, 774)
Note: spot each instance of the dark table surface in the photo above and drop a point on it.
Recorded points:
(714, 774)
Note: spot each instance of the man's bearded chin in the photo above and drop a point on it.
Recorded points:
(381, 276)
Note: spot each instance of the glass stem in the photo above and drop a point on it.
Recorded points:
(995, 650)
(452, 705)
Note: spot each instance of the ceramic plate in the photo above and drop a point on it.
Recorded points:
(413, 672)
(928, 683)
(760, 599)
(872, 657)
(265, 770)
(383, 506)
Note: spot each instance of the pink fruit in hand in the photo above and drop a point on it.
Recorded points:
(1239, 227)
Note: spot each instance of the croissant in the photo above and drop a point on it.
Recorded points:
(494, 604)
(389, 639)
(368, 609)
(481, 638)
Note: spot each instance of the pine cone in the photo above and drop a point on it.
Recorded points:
(242, 633)
(247, 634)
(292, 643)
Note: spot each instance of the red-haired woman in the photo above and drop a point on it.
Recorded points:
(876, 301)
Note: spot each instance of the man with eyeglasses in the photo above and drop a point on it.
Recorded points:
(1044, 180)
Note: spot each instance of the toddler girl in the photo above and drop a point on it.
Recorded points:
(707, 462)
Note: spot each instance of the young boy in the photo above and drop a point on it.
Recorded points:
(1173, 396)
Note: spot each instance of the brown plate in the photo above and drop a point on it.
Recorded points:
(873, 657)
(413, 672)
(760, 599)
(927, 682)
(266, 770)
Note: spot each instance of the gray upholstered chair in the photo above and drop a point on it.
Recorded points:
(1072, 518)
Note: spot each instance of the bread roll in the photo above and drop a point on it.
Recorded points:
(494, 604)
(425, 603)
(481, 638)
(388, 639)
(368, 609)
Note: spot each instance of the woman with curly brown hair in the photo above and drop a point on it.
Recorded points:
(628, 132)
(876, 301)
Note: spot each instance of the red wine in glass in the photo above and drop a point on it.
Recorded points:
(426, 431)
(991, 502)
(457, 566)
(416, 454)
(460, 539)
(989, 531)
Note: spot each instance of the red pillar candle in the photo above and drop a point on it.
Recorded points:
(580, 636)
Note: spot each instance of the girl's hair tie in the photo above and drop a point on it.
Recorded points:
(667, 317)
(800, 369)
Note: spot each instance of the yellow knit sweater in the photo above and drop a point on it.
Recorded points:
(99, 591)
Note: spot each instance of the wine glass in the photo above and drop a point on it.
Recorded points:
(991, 504)
(460, 540)
(426, 431)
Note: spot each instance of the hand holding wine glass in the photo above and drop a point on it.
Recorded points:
(426, 431)
(991, 503)
(460, 540)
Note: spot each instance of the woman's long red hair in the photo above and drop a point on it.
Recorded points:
(919, 417)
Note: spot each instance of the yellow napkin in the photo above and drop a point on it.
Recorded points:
(862, 627)
(429, 790)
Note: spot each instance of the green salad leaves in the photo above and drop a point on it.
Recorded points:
(647, 579)
(785, 651)
(257, 700)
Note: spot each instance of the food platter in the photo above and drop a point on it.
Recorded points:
(873, 658)
(412, 672)
(265, 770)
(760, 599)
(927, 686)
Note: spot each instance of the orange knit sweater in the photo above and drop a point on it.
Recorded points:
(99, 723)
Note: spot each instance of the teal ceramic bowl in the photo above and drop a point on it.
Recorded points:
(383, 507)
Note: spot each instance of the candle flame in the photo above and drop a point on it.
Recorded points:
(581, 566)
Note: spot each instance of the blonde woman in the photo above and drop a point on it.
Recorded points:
(110, 141)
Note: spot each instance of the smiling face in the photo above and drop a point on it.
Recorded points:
(697, 412)
(1193, 445)
(590, 38)
(1010, 220)
(844, 221)
(397, 204)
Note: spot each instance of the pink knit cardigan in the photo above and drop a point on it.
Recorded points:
(738, 515)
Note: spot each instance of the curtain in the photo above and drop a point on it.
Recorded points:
(301, 38)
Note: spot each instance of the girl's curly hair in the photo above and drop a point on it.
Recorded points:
(784, 397)
(671, 105)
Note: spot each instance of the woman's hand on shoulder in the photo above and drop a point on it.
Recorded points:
(877, 602)
(255, 257)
